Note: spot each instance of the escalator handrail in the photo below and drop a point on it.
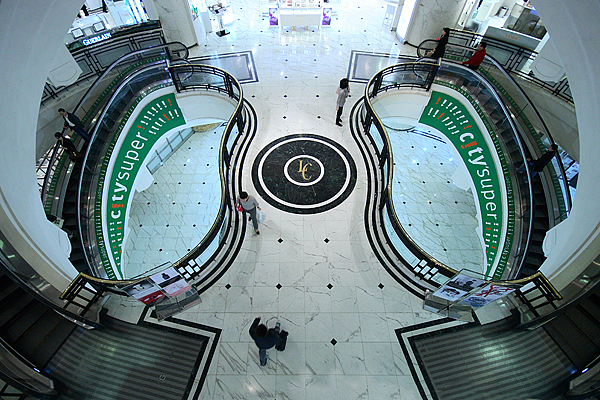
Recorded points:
(213, 231)
(92, 134)
(507, 75)
(396, 223)
(528, 171)
(119, 60)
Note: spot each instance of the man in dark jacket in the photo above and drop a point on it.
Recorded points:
(264, 339)
(539, 164)
(74, 123)
(68, 145)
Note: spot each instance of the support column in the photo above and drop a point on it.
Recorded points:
(176, 19)
(429, 17)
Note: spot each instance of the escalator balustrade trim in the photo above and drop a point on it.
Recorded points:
(121, 165)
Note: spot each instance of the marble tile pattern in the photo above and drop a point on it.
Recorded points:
(176, 211)
(304, 174)
(341, 321)
(438, 215)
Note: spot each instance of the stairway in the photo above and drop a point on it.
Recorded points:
(29, 326)
(577, 331)
(541, 224)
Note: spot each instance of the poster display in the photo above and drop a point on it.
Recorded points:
(487, 294)
(273, 18)
(144, 291)
(171, 282)
(458, 287)
(326, 20)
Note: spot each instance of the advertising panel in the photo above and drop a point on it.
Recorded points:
(487, 294)
(458, 287)
(144, 291)
(171, 282)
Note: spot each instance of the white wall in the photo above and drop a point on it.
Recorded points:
(30, 34)
(431, 16)
(575, 30)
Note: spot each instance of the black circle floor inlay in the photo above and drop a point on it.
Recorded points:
(304, 174)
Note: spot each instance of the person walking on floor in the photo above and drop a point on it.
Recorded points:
(249, 204)
(440, 49)
(343, 92)
(74, 124)
(264, 338)
(477, 57)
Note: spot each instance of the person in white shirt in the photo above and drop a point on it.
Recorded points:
(249, 204)
(343, 92)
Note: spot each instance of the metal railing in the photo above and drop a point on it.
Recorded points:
(513, 59)
(194, 77)
(411, 75)
(535, 133)
(184, 77)
(93, 60)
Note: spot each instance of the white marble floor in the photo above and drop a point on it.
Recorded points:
(173, 214)
(299, 71)
(438, 215)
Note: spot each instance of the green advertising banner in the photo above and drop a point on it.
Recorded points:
(154, 120)
(450, 117)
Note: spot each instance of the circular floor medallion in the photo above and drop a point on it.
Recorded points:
(304, 174)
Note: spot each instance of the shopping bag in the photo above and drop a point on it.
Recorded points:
(260, 215)
(238, 205)
(283, 336)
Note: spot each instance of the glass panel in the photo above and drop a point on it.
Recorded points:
(231, 139)
(377, 138)
(410, 258)
(176, 140)
(108, 57)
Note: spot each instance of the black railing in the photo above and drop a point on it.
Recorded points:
(403, 76)
(534, 130)
(410, 75)
(195, 77)
(95, 59)
(185, 77)
(513, 59)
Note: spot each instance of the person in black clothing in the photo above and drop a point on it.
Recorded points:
(440, 49)
(539, 164)
(264, 338)
(68, 145)
(74, 123)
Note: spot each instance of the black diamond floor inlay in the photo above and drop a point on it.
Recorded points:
(304, 174)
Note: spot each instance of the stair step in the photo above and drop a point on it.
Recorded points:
(33, 344)
(13, 305)
(23, 321)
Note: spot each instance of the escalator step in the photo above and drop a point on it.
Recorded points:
(7, 286)
(33, 341)
(13, 306)
(23, 322)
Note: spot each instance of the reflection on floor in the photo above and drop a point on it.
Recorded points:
(439, 216)
(338, 303)
(174, 214)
